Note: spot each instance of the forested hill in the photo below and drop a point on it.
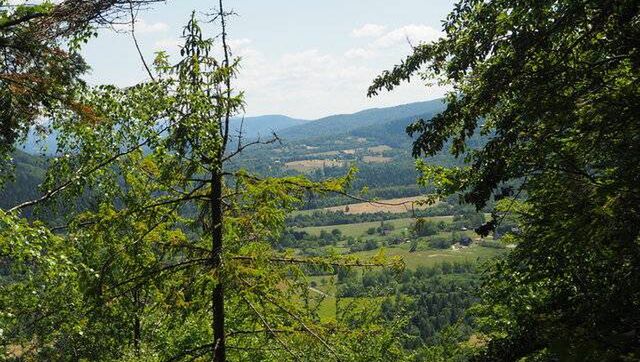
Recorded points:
(253, 127)
(30, 171)
(344, 123)
(374, 139)
(387, 122)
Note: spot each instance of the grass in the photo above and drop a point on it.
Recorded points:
(426, 257)
(311, 165)
(327, 305)
(374, 206)
(360, 229)
(431, 257)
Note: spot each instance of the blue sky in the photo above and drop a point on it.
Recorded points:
(305, 59)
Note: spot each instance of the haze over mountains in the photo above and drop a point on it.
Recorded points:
(344, 123)
(368, 121)
(263, 126)
(380, 126)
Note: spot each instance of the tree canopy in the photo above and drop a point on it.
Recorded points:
(162, 248)
(172, 259)
(555, 84)
(39, 62)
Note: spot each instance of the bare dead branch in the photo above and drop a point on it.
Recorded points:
(296, 317)
(226, 63)
(245, 146)
(268, 326)
(135, 42)
(313, 188)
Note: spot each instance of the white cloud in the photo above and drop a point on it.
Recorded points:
(402, 36)
(363, 53)
(242, 48)
(168, 44)
(301, 83)
(239, 43)
(316, 82)
(142, 27)
(414, 34)
(368, 30)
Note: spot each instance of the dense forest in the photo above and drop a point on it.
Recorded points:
(154, 222)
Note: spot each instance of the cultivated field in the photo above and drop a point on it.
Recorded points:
(324, 154)
(359, 229)
(324, 289)
(376, 159)
(432, 257)
(398, 205)
(379, 149)
(311, 165)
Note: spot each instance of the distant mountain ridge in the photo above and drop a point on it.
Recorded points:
(252, 127)
(347, 123)
(263, 126)
(294, 129)
(379, 125)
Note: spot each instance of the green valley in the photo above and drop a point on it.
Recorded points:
(348, 181)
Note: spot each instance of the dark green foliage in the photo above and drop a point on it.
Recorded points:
(441, 242)
(431, 297)
(291, 238)
(29, 173)
(423, 227)
(468, 220)
(414, 245)
(556, 84)
(365, 245)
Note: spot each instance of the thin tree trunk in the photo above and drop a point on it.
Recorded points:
(137, 328)
(219, 351)
(137, 307)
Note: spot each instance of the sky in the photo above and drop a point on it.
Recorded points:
(305, 59)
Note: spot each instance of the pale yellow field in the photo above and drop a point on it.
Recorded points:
(376, 159)
(380, 149)
(398, 205)
(310, 165)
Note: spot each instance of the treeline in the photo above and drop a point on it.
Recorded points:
(23, 186)
(324, 218)
(430, 297)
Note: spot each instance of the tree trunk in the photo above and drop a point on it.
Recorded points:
(137, 328)
(217, 299)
